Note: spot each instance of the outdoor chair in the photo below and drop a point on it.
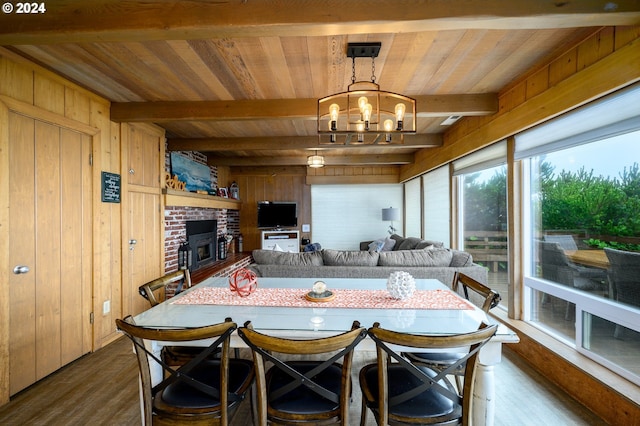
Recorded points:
(566, 242)
(202, 391)
(440, 361)
(558, 268)
(399, 392)
(299, 387)
(624, 276)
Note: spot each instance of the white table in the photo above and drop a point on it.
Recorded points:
(318, 321)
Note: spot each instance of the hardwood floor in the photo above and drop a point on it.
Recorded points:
(101, 389)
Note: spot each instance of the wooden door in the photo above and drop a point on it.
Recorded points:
(50, 244)
(142, 226)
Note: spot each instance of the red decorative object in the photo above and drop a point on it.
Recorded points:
(243, 282)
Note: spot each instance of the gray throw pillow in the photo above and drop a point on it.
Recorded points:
(349, 258)
(398, 239)
(426, 243)
(408, 243)
(270, 257)
(461, 258)
(435, 257)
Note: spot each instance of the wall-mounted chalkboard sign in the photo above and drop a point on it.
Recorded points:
(110, 187)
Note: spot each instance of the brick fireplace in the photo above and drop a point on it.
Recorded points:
(175, 233)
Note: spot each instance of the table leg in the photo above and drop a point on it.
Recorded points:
(484, 396)
(483, 405)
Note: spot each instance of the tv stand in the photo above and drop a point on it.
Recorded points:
(286, 240)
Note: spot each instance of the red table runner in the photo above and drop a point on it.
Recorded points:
(295, 297)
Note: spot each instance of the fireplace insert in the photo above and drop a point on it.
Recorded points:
(201, 236)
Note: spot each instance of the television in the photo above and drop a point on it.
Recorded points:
(277, 214)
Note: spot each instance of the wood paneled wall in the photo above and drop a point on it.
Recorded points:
(50, 95)
(269, 184)
(349, 175)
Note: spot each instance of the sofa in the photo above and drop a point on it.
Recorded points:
(429, 261)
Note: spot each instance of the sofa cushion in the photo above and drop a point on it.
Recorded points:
(349, 258)
(435, 257)
(382, 244)
(270, 257)
(461, 258)
(398, 239)
(376, 246)
(426, 243)
(408, 243)
(414, 243)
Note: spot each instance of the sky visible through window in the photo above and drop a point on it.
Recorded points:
(608, 157)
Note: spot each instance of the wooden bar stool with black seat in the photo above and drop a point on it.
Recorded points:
(399, 392)
(486, 298)
(202, 391)
(298, 391)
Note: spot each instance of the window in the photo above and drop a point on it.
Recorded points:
(412, 211)
(345, 215)
(482, 207)
(583, 180)
(436, 205)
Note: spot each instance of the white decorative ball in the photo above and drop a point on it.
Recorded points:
(401, 285)
(319, 287)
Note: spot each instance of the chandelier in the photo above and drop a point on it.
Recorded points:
(364, 114)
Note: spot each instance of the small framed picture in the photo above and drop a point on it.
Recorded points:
(222, 192)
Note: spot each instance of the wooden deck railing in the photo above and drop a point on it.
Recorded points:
(488, 248)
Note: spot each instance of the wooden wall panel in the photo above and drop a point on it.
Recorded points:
(269, 184)
(17, 81)
(48, 94)
(351, 175)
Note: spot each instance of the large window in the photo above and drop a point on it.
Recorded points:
(482, 207)
(583, 182)
(345, 215)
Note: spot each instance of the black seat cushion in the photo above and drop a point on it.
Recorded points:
(428, 404)
(181, 395)
(436, 358)
(303, 400)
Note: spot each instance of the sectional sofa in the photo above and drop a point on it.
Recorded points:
(428, 261)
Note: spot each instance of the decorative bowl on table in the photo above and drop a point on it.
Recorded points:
(319, 293)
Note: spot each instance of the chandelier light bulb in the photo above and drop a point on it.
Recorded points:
(400, 108)
(388, 127)
(362, 102)
(334, 111)
(360, 129)
(366, 115)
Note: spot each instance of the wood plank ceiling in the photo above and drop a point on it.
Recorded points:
(239, 80)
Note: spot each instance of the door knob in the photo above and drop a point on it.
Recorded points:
(132, 242)
(20, 269)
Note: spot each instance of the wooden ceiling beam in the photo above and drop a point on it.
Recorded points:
(72, 21)
(285, 109)
(301, 160)
(278, 143)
